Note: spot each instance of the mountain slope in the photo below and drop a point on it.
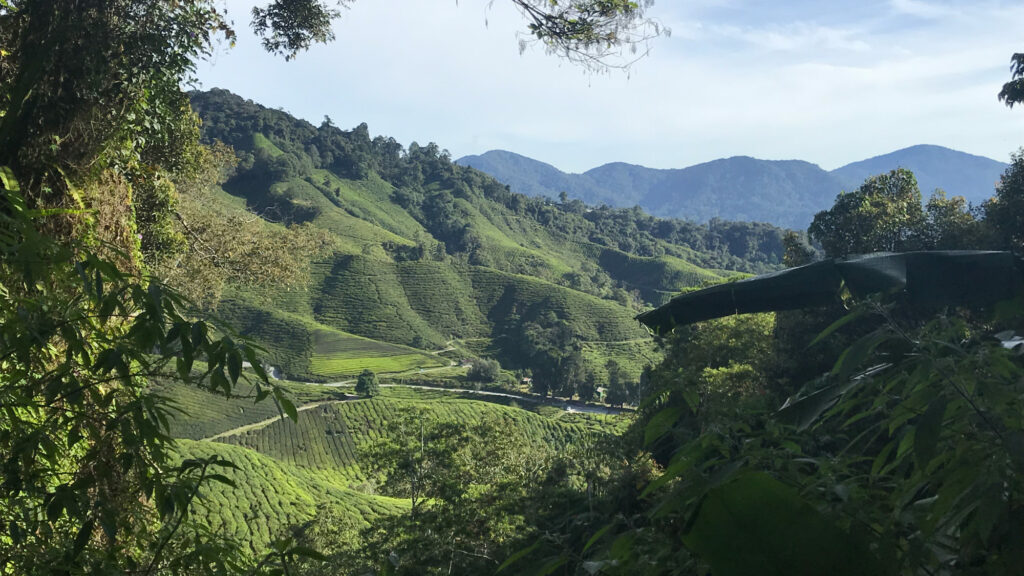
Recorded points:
(958, 173)
(738, 188)
(422, 251)
(534, 178)
(784, 193)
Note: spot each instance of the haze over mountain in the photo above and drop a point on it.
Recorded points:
(782, 192)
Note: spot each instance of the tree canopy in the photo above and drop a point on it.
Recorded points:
(367, 384)
(593, 33)
(1013, 91)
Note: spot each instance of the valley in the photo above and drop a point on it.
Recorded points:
(420, 252)
(417, 270)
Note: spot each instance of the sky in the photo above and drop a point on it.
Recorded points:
(827, 81)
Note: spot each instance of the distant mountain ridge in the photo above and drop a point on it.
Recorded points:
(783, 192)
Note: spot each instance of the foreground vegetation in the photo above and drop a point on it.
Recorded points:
(113, 240)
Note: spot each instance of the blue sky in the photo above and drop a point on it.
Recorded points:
(829, 82)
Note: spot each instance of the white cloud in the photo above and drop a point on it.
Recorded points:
(923, 9)
(805, 37)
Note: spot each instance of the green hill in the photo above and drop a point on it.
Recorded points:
(423, 251)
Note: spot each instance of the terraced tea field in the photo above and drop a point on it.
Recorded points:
(201, 414)
(272, 497)
(328, 437)
(287, 470)
(337, 354)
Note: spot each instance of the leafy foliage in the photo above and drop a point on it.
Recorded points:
(87, 481)
(1013, 91)
(290, 26)
(1005, 213)
(590, 32)
(884, 214)
(484, 370)
(367, 384)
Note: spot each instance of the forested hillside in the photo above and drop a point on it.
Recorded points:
(421, 253)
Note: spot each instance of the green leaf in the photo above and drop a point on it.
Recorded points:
(198, 334)
(220, 478)
(757, 525)
(551, 566)
(234, 365)
(674, 470)
(882, 458)
(9, 181)
(286, 405)
(803, 411)
(518, 556)
(82, 538)
(622, 545)
(99, 285)
(257, 366)
(692, 398)
(597, 536)
(661, 423)
(55, 507)
(220, 382)
(281, 544)
(929, 430)
(906, 442)
(183, 368)
(109, 526)
(854, 357)
(16, 532)
(837, 325)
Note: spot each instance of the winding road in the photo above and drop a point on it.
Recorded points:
(565, 405)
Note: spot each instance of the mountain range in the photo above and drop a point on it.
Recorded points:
(782, 192)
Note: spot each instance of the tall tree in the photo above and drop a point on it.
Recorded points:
(367, 384)
(1004, 213)
(884, 214)
(617, 395)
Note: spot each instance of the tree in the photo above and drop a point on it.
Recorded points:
(90, 482)
(616, 394)
(484, 370)
(1004, 214)
(1013, 91)
(884, 214)
(586, 388)
(94, 129)
(950, 224)
(367, 384)
(796, 250)
(587, 32)
(467, 483)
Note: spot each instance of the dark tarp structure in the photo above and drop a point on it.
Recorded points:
(945, 278)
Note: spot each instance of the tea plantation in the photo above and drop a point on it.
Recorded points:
(286, 470)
